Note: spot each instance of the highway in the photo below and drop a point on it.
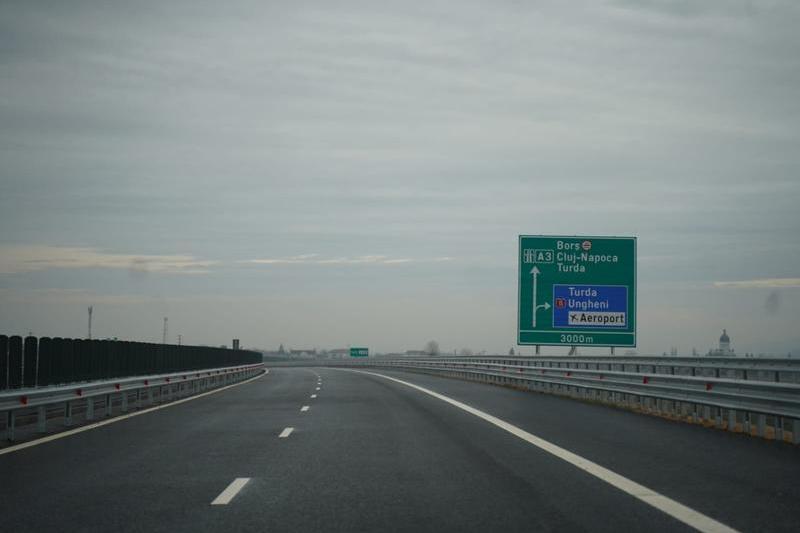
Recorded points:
(371, 453)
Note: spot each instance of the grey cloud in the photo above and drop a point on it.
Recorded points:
(412, 132)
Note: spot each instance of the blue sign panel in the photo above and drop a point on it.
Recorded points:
(590, 306)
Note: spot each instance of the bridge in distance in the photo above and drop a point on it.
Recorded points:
(330, 449)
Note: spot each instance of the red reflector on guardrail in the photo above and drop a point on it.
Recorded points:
(116, 386)
(601, 376)
(709, 386)
(147, 382)
(569, 374)
(23, 400)
(78, 392)
(645, 380)
(167, 380)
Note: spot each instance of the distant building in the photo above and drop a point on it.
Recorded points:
(724, 349)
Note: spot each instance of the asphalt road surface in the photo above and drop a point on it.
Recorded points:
(373, 454)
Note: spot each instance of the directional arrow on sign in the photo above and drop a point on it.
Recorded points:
(535, 271)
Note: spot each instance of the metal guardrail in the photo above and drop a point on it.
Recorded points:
(754, 396)
(48, 402)
(779, 369)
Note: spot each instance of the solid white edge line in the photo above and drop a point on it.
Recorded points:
(676, 510)
(231, 491)
(285, 433)
(304, 409)
(102, 423)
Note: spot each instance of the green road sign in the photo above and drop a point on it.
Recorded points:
(577, 291)
(359, 352)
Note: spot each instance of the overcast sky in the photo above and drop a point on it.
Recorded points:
(321, 174)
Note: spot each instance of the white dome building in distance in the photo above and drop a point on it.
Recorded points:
(724, 349)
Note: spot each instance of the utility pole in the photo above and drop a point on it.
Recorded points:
(164, 337)
(90, 322)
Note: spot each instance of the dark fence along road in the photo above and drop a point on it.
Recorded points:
(33, 362)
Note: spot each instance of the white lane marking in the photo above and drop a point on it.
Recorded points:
(81, 429)
(304, 409)
(676, 510)
(229, 493)
(285, 433)
(313, 395)
(318, 388)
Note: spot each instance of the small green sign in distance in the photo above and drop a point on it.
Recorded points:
(359, 352)
(577, 291)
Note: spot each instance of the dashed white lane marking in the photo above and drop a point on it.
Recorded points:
(229, 493)
(676, 510)
(313, 396)
(81, 429)
(304, 409)
(318, 388)
(285, 433)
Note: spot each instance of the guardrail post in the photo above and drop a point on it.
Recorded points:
(124, 397)
(150, 395)
(11, 422)
(779, 428)
(795, 431)
(89, 408)
(761, 424)
(68, 413)
(718, 417)
(41, 419)
(731, 420)
(109, 406)
(138, 398)
(746, 422)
